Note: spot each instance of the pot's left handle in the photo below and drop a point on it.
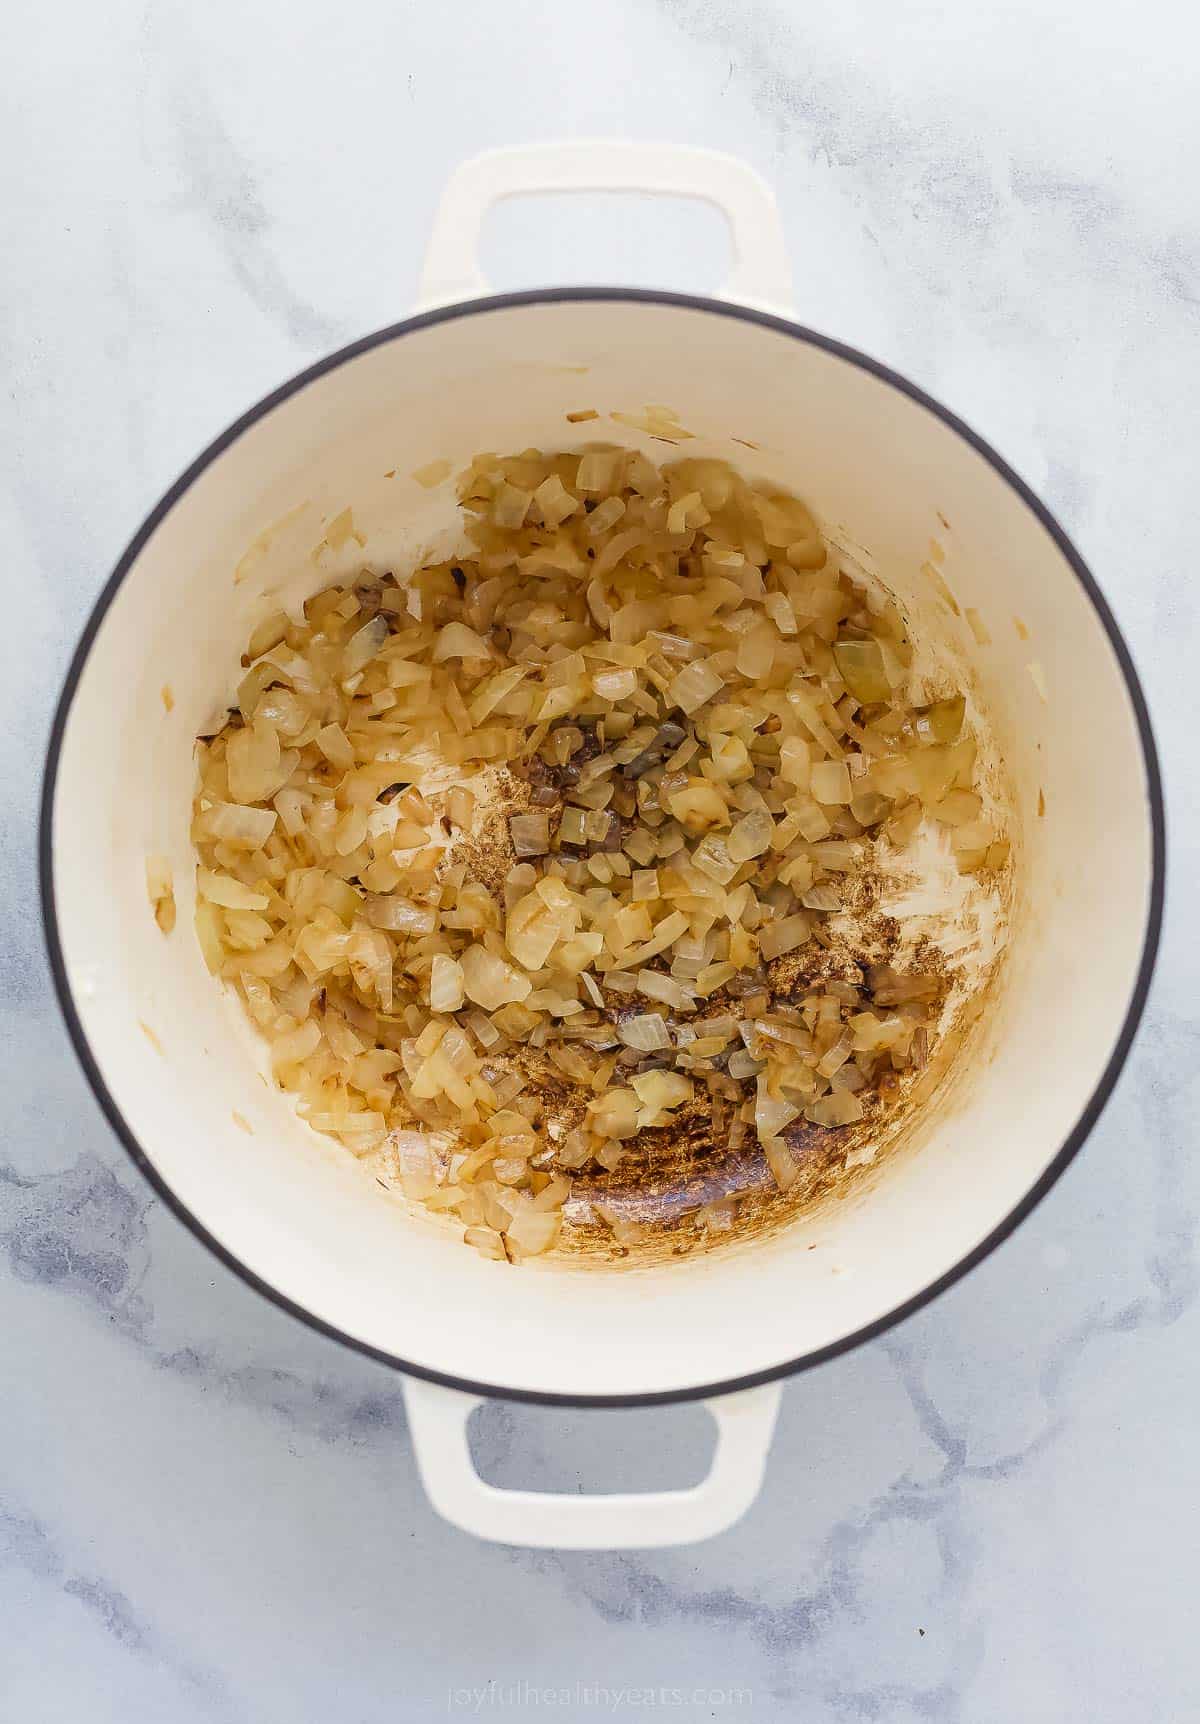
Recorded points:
(438, 1417)
(761, 272)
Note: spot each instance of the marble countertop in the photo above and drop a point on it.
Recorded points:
(208, 1513)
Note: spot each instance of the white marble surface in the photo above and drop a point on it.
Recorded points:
(208, 1513)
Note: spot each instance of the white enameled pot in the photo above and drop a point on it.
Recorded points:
(884, 466)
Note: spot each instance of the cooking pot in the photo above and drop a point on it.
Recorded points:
(180, 1074)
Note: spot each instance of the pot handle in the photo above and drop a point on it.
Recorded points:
(761, 272)
(437, 1420)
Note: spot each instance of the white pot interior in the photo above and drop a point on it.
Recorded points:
(885, 474)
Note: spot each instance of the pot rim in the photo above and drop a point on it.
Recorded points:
(885, 374)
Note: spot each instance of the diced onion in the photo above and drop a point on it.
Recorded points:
(530, 833)
(786, 935)
(490, 982)
(445, 984)
(614, 1114)
(830, 782)
(694, 685)
(839, 1107)
(862, 669)
(510, 506)
(456, 640)
(781, 1161)
(332, 741)
(750, 836)
(554, 502)
(510, 856)
(398, 915)
(614, 684)
(234, 823)
(713, 858)
(604, 516)
(771, 1113)
(646, 1032)
(533, 1231)
(232, 894)
(599, 471)
(362, 647)
(660, 1090)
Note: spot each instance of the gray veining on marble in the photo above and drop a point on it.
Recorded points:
(208, 1513)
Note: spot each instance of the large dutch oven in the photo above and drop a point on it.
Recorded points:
(875, 456)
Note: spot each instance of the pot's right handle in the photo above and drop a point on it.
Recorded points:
(761, 272)
(437, 1420)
